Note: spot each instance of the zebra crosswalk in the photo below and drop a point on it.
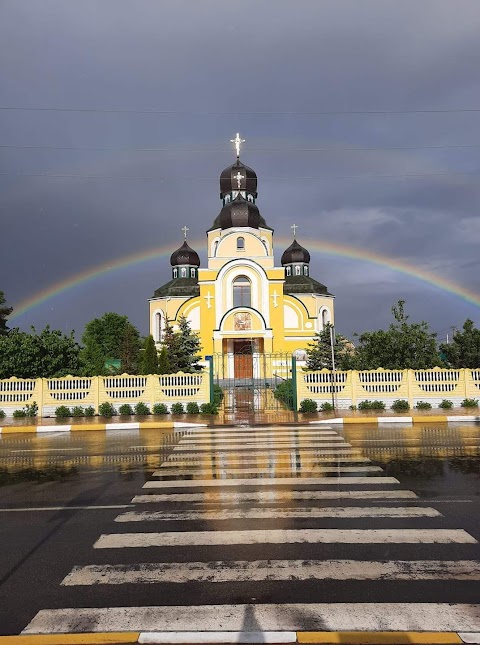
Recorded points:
(276, 529)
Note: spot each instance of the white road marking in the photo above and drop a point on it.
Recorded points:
(310, 460)
(267, 470)
(259, 446)
(30, 509)
(258, 570)
(46, 450)
(342, 616)
(254, 440)
(255, 434)
(329, 481)
(284, 536)
(272, 496)
(216, 638)
(276, 513)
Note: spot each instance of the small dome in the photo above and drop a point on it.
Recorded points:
(295, 253)
(185, 255)
(230, 178)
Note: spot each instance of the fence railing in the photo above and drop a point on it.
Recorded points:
(72, 391)
(352, 387)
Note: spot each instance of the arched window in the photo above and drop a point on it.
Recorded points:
(215, 247)
(158, 327)
(192, 273)
(297, 270)
(305, 269)
(325, 318)
(242, 292)
(184, 272)
(175, 273)
(289, 271)
(240, 244)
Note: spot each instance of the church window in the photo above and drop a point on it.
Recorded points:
(240, 244)
(325, 318)
(227, 199)
(158, 327)
(297, 270)
(192, 273)
(215, 247)
(175, 273)
(184, 273)
(305, 270)
(289, 271)
(242, 292)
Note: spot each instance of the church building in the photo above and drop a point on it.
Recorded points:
(241, 304)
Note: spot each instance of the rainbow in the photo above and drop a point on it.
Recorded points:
(327, 248)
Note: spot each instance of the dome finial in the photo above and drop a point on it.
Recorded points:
(238, 142)
(185, 229)
(294, 229)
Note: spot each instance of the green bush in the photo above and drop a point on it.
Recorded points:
(207, 408)
(423, 405)
(400, 405)
(469, 403)
(217, 394)
(327, 407)
(78, 411)
(446, 404)
(352, 407)
(106, 410)
(125, 410)
(141, 409)
(160, 408)
(371, 405)
(177, 408)
(31, 409)
(62, 412)
(284, 392)
(90, 411)
(192, 408)
(308, 405)
(2, 414)
(19, 414)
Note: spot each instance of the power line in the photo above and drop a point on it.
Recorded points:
(240, 112)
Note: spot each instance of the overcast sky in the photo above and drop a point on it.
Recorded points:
(260, 67)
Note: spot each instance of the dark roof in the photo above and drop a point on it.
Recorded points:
(228, 183)
(304, 284)
(184, 255)
(186, 287)
(239, 212)
(295, 253)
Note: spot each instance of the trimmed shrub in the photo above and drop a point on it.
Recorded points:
(177, 408)
(423, 405)
(19, 414)
(469, 403)
(31, 409)
(446, 404)
(207, 408)
(352, 407)
(160, 408)
(141, 409)
(2, 414)
(125, 410)
(62, 412)
(90, 411)
(217, 394)
(284, 392)
(192, 408)
(400, 405)
(371, 405)
(106, 410)
(78, 411)
(327, 407)
(308, 405)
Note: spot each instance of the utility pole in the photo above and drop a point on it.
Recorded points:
(334, 380)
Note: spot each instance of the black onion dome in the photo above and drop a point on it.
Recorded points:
(295, 253)
(229, 183)
(184, 255)
(240, 212)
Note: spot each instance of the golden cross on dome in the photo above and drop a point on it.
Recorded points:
(294, 228)
(238, 142)
(239, 178)
(185, 229)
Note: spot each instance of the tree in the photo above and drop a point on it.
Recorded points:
(105, 339)
(129, 350)
(402, 346)
(464, 350)
(4, 313)
(182, 347)
(150, 357)
(163, 362)
(319, 351)
(38, 355)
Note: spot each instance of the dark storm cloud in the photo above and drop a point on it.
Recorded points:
(218, 57)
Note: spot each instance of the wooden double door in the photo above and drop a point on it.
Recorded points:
(243, 359)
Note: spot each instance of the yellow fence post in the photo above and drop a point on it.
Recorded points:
(96, 394)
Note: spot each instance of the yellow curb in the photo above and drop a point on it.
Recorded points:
(88, 426)
(360, 420)
(379, 638)
(430, 419)
(111, 638)
(12, 429)
(146, 425)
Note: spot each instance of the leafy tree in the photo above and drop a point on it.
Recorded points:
(4, 313)
(464, 350)
(38, 355)
(103, 340)
(150, 357)
(182, 347)
(319, 351)
(403, 345)
(129, 350)
(164, 362)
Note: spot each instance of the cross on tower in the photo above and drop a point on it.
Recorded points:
(294, 228)
(185, 229)
(238, 142)
(238, 177)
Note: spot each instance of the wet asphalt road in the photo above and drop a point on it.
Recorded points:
(60, 493)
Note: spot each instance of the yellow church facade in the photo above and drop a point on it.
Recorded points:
(242, 305)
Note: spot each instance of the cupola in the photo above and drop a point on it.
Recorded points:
(185, 262)
(296, 259)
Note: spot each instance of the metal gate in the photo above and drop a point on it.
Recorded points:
(254, 381)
